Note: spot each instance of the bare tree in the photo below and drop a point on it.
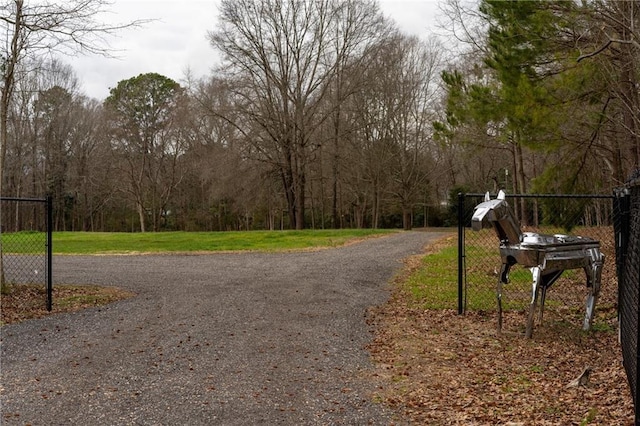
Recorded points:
(611, 38)
(413, 80)
(285, 55)
(53, 118)
(30, 30)
(223, 186)
(90, 178)
(389, 160)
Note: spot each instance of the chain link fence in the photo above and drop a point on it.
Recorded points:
(480, 262)
(25, 243)
(628, 266)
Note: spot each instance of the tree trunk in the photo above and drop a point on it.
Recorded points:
(287, 185)
(522, 184)
(335, 219)
(8, 80)
(374, 208)
(336, 158)
(406, 219)
(300, 200)
(141, 217)
(629, 94)
(629, 84)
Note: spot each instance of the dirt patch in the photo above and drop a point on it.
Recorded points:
(438, 367)
(23, 302)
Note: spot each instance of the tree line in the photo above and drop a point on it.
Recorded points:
(324, 114)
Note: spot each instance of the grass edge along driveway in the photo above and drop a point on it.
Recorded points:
(184, 242)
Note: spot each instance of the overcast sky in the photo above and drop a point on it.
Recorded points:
(176, 39)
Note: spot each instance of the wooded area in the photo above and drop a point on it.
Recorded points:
(323, 114)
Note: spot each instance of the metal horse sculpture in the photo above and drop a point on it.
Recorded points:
(547, 256)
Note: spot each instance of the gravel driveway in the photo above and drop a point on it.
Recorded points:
(218, 339)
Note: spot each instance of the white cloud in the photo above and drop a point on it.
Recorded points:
(415, 17)
(176, 39)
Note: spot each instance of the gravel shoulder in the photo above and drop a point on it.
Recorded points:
(233, 339)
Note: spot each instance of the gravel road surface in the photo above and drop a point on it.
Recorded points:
(217, 339)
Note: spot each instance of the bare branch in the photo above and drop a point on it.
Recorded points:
(69, 27)
(36, 28)
(601, 49)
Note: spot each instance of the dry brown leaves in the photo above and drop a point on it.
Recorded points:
(440, 368)
(29, 301)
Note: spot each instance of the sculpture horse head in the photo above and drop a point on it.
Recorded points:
(497, 214)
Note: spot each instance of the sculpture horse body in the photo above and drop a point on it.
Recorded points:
(547, 256)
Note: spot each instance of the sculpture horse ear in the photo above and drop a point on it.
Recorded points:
(487, 197)
(501, 195)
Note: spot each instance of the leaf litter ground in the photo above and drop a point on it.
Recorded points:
(440, 368)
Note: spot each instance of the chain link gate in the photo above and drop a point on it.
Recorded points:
(26, 243)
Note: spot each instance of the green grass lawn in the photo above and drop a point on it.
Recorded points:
(434, 284)
(159, 242)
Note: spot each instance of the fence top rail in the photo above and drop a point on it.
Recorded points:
(32, 200)
(545, 195)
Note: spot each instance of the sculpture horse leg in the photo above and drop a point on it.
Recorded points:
(499, 297)
(536, 272)
(502, 279)
(543, 298)
(541, 281)
(594, 276)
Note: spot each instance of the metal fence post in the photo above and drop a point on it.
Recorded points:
(621, 212)
(49, 252)
(460, 253)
